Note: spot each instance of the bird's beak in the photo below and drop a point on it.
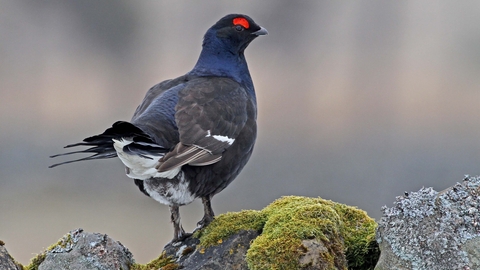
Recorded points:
(261, 32)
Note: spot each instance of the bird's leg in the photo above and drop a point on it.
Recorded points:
(178, 232)
(208, 216)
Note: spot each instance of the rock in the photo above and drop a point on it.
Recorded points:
(229, 254)
(6, 261)
(313, 253)
(432, 230)
(81, 250)
(291, 233)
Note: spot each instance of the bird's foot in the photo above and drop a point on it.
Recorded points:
(208, 217)
(204, 222)
(178, 239)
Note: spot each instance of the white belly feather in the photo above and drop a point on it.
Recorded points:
(167, 192)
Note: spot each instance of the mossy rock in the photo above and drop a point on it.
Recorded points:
(83, 250)
(293, 233)
(162, 262)
(346, 234)
(66, 243)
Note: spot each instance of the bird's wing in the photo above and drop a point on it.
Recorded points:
(156, 114)
(210, 113)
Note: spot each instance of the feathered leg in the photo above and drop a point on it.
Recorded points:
(208, 216)
(179, 233)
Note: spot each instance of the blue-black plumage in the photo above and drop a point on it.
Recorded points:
(192, 135)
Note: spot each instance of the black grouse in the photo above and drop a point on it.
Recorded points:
(192, 135)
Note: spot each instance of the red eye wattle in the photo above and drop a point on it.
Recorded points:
(241, 21)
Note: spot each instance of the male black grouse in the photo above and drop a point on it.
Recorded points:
(191, 136)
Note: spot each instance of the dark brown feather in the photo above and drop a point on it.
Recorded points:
(206, 107)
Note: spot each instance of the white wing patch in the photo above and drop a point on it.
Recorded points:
(139, 167)
(220, 138)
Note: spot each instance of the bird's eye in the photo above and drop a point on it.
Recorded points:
(239, 28)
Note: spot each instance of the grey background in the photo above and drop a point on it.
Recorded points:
(359, 101)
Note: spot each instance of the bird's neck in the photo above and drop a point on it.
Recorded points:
(216, 60)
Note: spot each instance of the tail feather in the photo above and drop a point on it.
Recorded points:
(103, 143)
(96, 149)
(96, 156)
(144, 150)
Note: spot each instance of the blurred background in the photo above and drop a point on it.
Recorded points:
(358, 102)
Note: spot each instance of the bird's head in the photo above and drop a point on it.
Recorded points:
(233, 32)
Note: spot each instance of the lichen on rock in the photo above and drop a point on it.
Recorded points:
(432, 230)
(81, 250)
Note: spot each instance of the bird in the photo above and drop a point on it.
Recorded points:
(192, 135)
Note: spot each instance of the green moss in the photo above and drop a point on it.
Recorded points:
(361, 248)
(35, 262)
(162, 261)
(228, 224)
(286, 222)
(291, 220)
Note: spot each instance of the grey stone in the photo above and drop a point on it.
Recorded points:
(432, 230)
(6, 261)
(314, 256)
(313, 249)
(230, 254)
(81, 251)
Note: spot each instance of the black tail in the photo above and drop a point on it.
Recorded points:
(102, 145)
